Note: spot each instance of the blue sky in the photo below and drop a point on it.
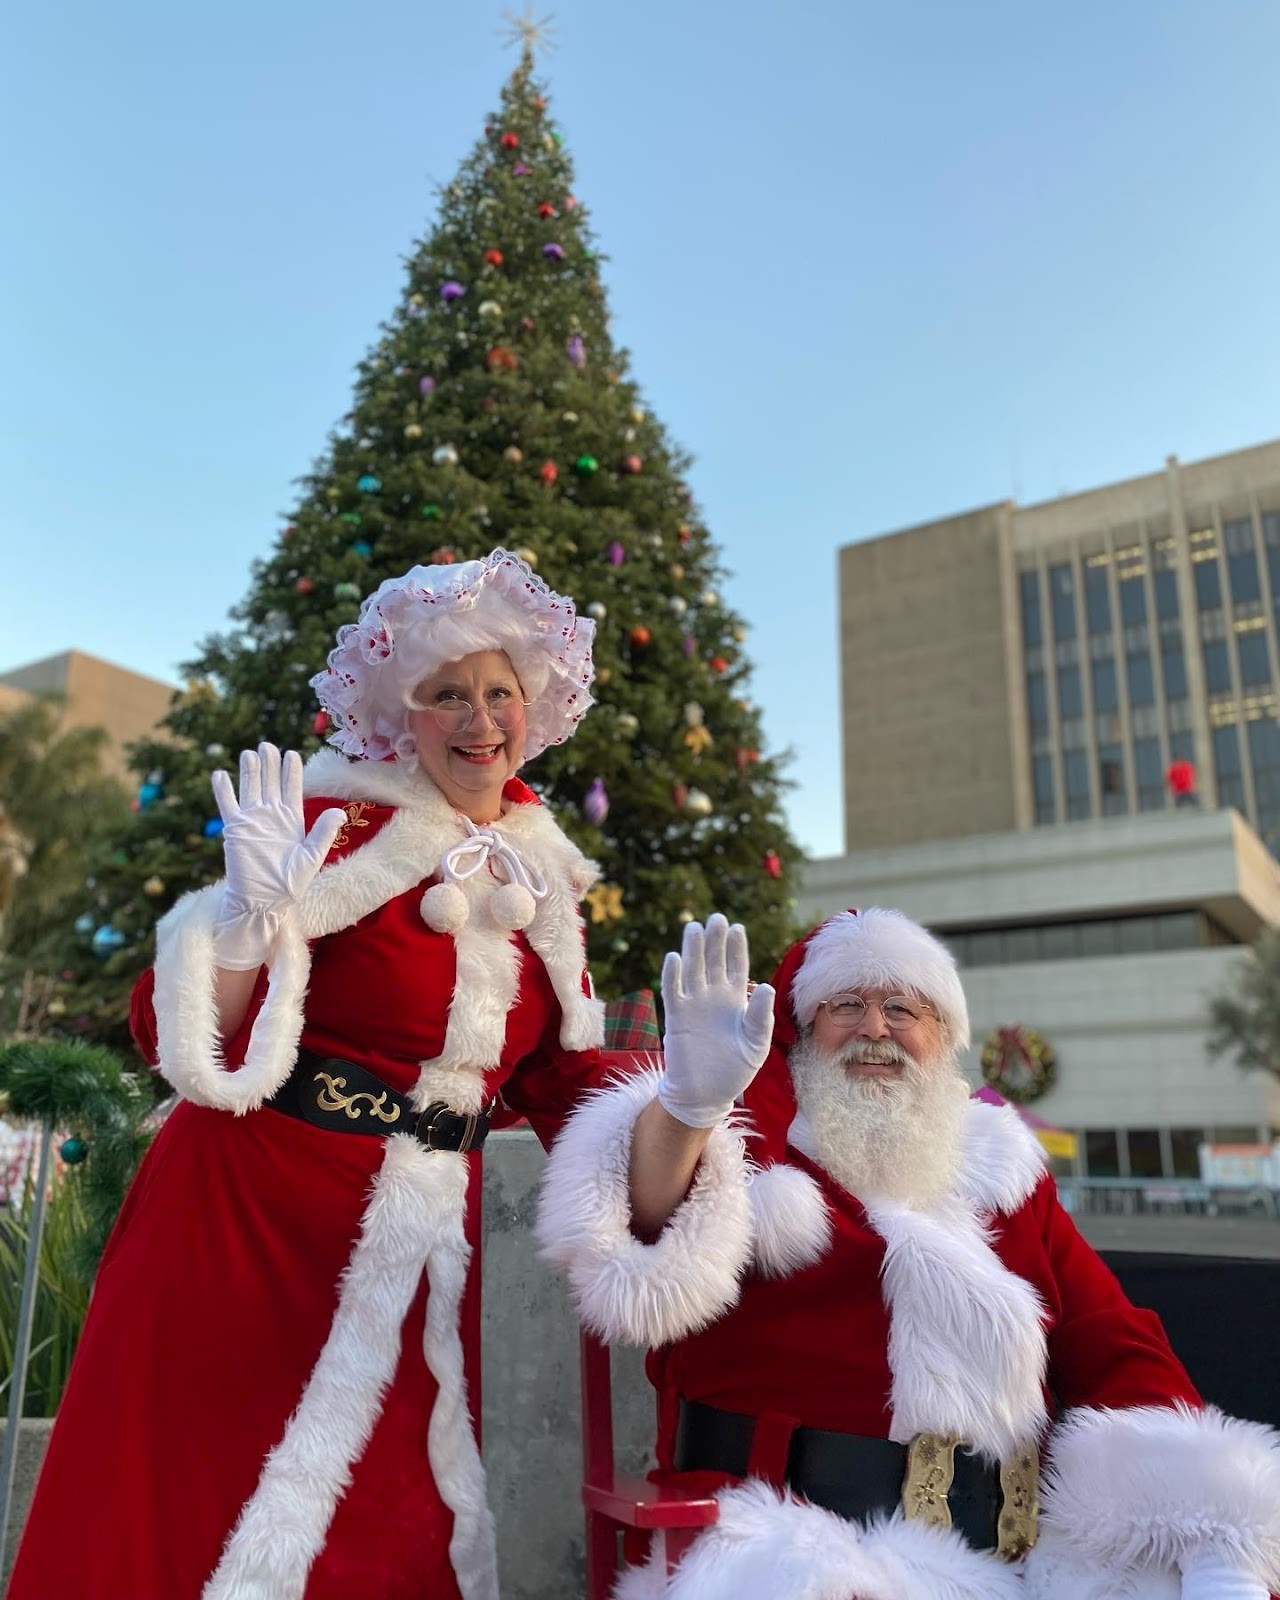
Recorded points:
(875, 263)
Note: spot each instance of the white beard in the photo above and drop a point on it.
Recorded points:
(882, 1138)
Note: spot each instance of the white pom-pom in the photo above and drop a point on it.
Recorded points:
(512, 906)
(444, 907)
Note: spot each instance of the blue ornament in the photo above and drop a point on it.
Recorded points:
(106, 939)
(73, 1151)
(363, 548)
(368, 484)
(213, 828)
(84, 924)
(149, 794)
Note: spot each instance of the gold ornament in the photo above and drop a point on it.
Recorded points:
(514, 454)
(698, 740)
(413, 430)
(605, 901)
(153, 886)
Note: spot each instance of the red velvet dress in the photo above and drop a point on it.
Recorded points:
(220, 1283)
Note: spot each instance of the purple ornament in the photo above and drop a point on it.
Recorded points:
(425, 386)
(553, 251)
(595, 804)
(576, 350)
(451, 291)
(617, 553)
(520, 170)
(690, 645)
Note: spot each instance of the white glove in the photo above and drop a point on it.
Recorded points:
(1209, 1577)
(269, 861)
(716, 1038)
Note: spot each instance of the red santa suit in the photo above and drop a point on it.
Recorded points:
(269, 1401)
(980, 1314)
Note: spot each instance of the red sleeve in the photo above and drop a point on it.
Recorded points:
(1103, 1350)
(142, 1017)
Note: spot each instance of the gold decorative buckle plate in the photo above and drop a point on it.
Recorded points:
(1019, 1521)
(931, 1465)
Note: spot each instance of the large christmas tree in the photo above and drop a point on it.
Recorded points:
(496, 410)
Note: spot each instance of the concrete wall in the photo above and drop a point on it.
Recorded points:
(530, 1412)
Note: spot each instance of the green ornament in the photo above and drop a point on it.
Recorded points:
(73, 1151)
(353, 517)
(431, 512)
(346, 591)
(558, 136)
(587, 466)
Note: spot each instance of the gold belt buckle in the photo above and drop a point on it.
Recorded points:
(931, 1466)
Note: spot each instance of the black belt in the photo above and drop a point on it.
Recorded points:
(344, 1097)
(853, 1475)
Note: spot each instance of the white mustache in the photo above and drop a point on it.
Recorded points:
(875, 1052)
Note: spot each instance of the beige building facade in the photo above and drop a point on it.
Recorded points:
(96, 694)
(1019, 666)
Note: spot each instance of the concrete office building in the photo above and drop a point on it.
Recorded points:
(1027, 665)
(96, 694)
(1108, 938)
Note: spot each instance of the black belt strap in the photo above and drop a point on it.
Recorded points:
(855, 1476)
(344, 1097)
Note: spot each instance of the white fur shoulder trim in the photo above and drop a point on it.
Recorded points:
(1001, 1160)
(1148, 1486)
(789, 1216)
(190, 1047)
(769, 1547)
(626, 1291)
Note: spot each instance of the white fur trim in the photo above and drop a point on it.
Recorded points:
(790, 1220)
(1001, 1160)
(1148, 1486)
(966, 1338)
(766, 1547)
(1054, 1571)
(626, 1291)
(414, 1218)
(188, 1041)
(880, 949)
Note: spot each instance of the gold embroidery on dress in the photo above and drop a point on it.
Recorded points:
(931, 1465)
(355, 819)
(1020, 1512)
(331, 1098)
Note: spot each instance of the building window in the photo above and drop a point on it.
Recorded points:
(1148, 770)
(1174, 665)
(1217, 667)
(1029, 584)
(1166, 584)
(1037, 701)
(1182, 745)
(1208, 584)
(1144, 1153)
(1142, 689)
(1070, 701)
(1184, 1147)
(1264, 756)
(1075, 781)
(1242, 560)
(1179, 716)
(1255, 658)
(1097, 596)
(1133, 602)
(1062, 595)
(1226, 763)
(1101, 1153)
(1105, 697)
(1111, 780)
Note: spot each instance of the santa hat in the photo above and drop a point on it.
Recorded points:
(871, 949)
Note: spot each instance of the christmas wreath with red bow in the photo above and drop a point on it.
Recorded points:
(1019, 1063)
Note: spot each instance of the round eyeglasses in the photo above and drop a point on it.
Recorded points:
(455, 716)
(898, 1010)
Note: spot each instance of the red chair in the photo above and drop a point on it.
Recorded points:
(646, 1516)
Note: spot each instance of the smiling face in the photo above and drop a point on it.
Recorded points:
(470, 764)
(871, 1047)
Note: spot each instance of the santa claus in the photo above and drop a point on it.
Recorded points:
(875, 1332)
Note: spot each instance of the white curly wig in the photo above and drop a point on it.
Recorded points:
(411, 626)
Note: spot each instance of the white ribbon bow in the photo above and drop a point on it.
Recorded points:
(482, 846)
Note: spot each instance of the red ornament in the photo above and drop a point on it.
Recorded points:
(772, 865)
(684, 533)
(549, 472)
(443, 557)
(569, 202)
(633, 464)
(719, 664)
(510, 141)
(500, 359)
(539, 104)
(743, 758)
(320, 722)
(289, 532)
(679, 794)
(494, 257)
(546, 209)
(528, 324)
(304, 586)
(640, 636)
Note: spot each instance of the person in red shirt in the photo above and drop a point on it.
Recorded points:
(874, 1331)
(270, 1397)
